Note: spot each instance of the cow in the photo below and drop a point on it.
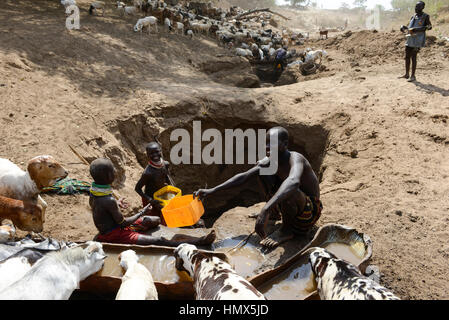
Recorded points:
(339, 280)
(213, 278)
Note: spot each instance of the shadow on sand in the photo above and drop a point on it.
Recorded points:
(430, 88)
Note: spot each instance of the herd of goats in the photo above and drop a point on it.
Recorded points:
(249, 34)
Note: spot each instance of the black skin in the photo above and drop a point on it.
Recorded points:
(107, 215)
(293, 180)
(412, 59)
(153, 179)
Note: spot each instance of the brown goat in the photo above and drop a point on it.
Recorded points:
(324, 33)
(25, 215)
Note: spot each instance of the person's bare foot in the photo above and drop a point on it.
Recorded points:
(208, 239)
(276, 238)
(404, 77)
(412, 79)
(199, 241)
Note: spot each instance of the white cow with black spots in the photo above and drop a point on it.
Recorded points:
(213, 279)
(339, 280)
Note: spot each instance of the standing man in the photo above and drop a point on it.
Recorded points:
(416, 39)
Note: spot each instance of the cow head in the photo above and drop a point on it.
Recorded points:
(184, 255)
(127, 258)
(319, 259)
(93, 259)
(45, 171)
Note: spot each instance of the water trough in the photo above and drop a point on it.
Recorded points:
(170, 284)
(294, 279)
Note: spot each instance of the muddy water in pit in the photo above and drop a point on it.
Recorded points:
(297, 282)
(351, 253)
(294, 284)
(245, 260)
(161, 266)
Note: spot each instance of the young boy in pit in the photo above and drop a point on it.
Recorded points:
(155, 177)
(296, 191)
(115, 228)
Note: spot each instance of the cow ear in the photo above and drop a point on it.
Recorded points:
(321, 267)
(91, 248)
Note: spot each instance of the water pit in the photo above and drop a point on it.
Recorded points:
(297, 283)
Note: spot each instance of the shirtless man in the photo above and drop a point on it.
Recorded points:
(416, 39)
(115, 228)
(155, 177)
(294, 186)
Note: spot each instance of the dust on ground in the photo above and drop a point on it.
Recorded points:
(106, 90)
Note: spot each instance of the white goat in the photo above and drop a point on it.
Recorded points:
(190, 33)
(67, 3)
(96, 5)
(243, 52)
(12, 270)
(180, 27)
(58, 274)
(146, 22)
(128, 10)
(137, 282)
(167, 24)
(261, 54)
(42, 171)
(201, 27)
(314, 55)
(265, 40)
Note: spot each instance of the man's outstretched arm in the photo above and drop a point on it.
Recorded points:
(233, 182)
